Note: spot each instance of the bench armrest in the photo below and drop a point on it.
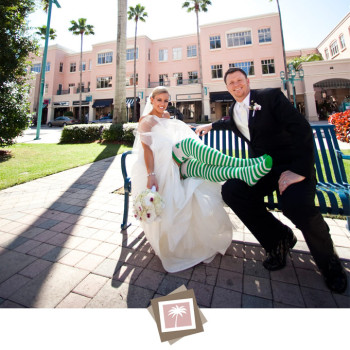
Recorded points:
(341, 155)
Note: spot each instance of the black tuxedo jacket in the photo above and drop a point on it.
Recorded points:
(279, 130)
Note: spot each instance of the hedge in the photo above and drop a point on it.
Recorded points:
(85, 133)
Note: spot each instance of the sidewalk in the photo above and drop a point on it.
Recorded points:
(61, 247)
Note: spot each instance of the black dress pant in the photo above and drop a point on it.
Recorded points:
(298, 205)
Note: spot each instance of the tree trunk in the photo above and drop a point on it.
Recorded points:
(119, 112)
(134, 119)
(81, 119)
(200, 69)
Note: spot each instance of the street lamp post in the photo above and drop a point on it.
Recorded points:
(291, 76)
(43, 68)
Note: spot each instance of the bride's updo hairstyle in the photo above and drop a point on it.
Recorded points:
(159, 90)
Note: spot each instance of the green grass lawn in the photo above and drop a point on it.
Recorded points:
(27, 162)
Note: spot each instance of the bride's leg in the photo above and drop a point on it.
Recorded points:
(192, 148)
(249, 174)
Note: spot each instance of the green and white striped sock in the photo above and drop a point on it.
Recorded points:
(249, 174)
(191, 148)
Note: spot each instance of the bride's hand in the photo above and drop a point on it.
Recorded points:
(152, 181)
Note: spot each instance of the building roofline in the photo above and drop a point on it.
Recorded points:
(334, 29)
(272, 14)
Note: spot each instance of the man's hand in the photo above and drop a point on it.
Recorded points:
(288, 178)
(203, 129)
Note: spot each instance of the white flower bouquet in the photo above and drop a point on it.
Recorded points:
(148, 205)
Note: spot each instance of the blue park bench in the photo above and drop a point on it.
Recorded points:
(333, 190)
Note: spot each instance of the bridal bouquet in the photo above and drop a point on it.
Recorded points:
(148, 205)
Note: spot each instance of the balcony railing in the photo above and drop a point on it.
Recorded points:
(158, 83)
(83, 90)
(63, 92)
(178, 82)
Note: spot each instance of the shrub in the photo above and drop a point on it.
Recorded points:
(68, 114)
(112, 132)
(84, 133)
(342, 125)
(81, 133)
(129, 131)
(119, 132)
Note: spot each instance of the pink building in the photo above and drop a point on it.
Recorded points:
(253, 44)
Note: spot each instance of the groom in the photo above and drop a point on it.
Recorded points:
(269, 123)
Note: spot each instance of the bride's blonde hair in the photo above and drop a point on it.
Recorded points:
(159, 90)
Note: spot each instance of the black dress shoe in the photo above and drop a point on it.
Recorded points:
(276, 258)
(335, 276)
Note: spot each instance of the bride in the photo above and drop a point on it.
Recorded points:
(194, 225)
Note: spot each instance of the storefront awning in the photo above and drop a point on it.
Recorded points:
(102, 103)
(333, 84)
(220, 97)
(131, 101)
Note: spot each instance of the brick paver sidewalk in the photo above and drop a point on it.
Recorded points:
(61, 247)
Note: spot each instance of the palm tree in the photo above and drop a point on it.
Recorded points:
(119, 112)
(310, 58)
(176, 311)
(198, 6)
(81, 28)
(137, 13)
(41, 31)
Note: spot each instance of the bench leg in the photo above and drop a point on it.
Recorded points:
(348, 223)
(125, 224)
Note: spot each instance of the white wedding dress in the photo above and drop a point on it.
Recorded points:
(194, 225)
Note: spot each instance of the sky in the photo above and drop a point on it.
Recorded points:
(305, 22)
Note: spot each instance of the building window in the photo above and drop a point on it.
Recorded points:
(46, 88)
(163, 55)
(248, 67)
(268, 66)
(163, 78)
(61, 67)
(130, 80)
(104, 58)
(216, 71)
(149, 54)
(334, 48)
(177, 53)
(193, 77)
(264, 35)
(239, 39)
(178, 77)
(326, 52)
(48, 66)
(104, 82)
(90, 64)
(83, 66)
(342, 41)
(82, 87)
(36, 68)
(215, 42)
(130, 54)
(73, 67)
(192, 51)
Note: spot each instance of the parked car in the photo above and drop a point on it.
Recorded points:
(104, 119)
(61, 121)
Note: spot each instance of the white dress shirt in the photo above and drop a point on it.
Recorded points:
(241, 116)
